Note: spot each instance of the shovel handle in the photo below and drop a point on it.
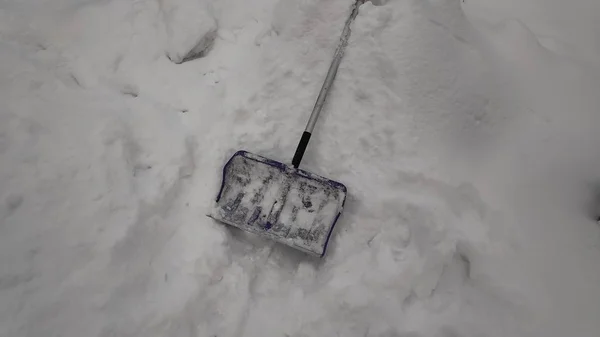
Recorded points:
(333, 68)
(300, 149)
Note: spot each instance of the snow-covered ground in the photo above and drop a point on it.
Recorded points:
(466, 133)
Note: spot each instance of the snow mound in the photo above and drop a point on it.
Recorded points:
(191, 29)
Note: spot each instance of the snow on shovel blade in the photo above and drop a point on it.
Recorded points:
(274, 200)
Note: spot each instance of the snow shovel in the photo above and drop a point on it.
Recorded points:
(281, 202)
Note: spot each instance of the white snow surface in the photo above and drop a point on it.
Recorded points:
(466, 133)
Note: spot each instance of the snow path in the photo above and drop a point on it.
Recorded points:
(467, 151)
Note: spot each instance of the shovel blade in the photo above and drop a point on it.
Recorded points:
(277, 201)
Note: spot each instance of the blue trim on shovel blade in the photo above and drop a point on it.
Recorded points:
(238, 153)
(330, 232)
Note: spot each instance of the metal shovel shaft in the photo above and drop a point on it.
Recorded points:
(333, 68)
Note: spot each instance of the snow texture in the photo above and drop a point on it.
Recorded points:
(466, 134)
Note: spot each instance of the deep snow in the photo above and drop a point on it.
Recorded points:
(468, 144)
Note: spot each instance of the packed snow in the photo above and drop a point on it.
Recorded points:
(466, 133)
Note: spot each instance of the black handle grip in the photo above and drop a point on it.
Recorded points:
(300, 149)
